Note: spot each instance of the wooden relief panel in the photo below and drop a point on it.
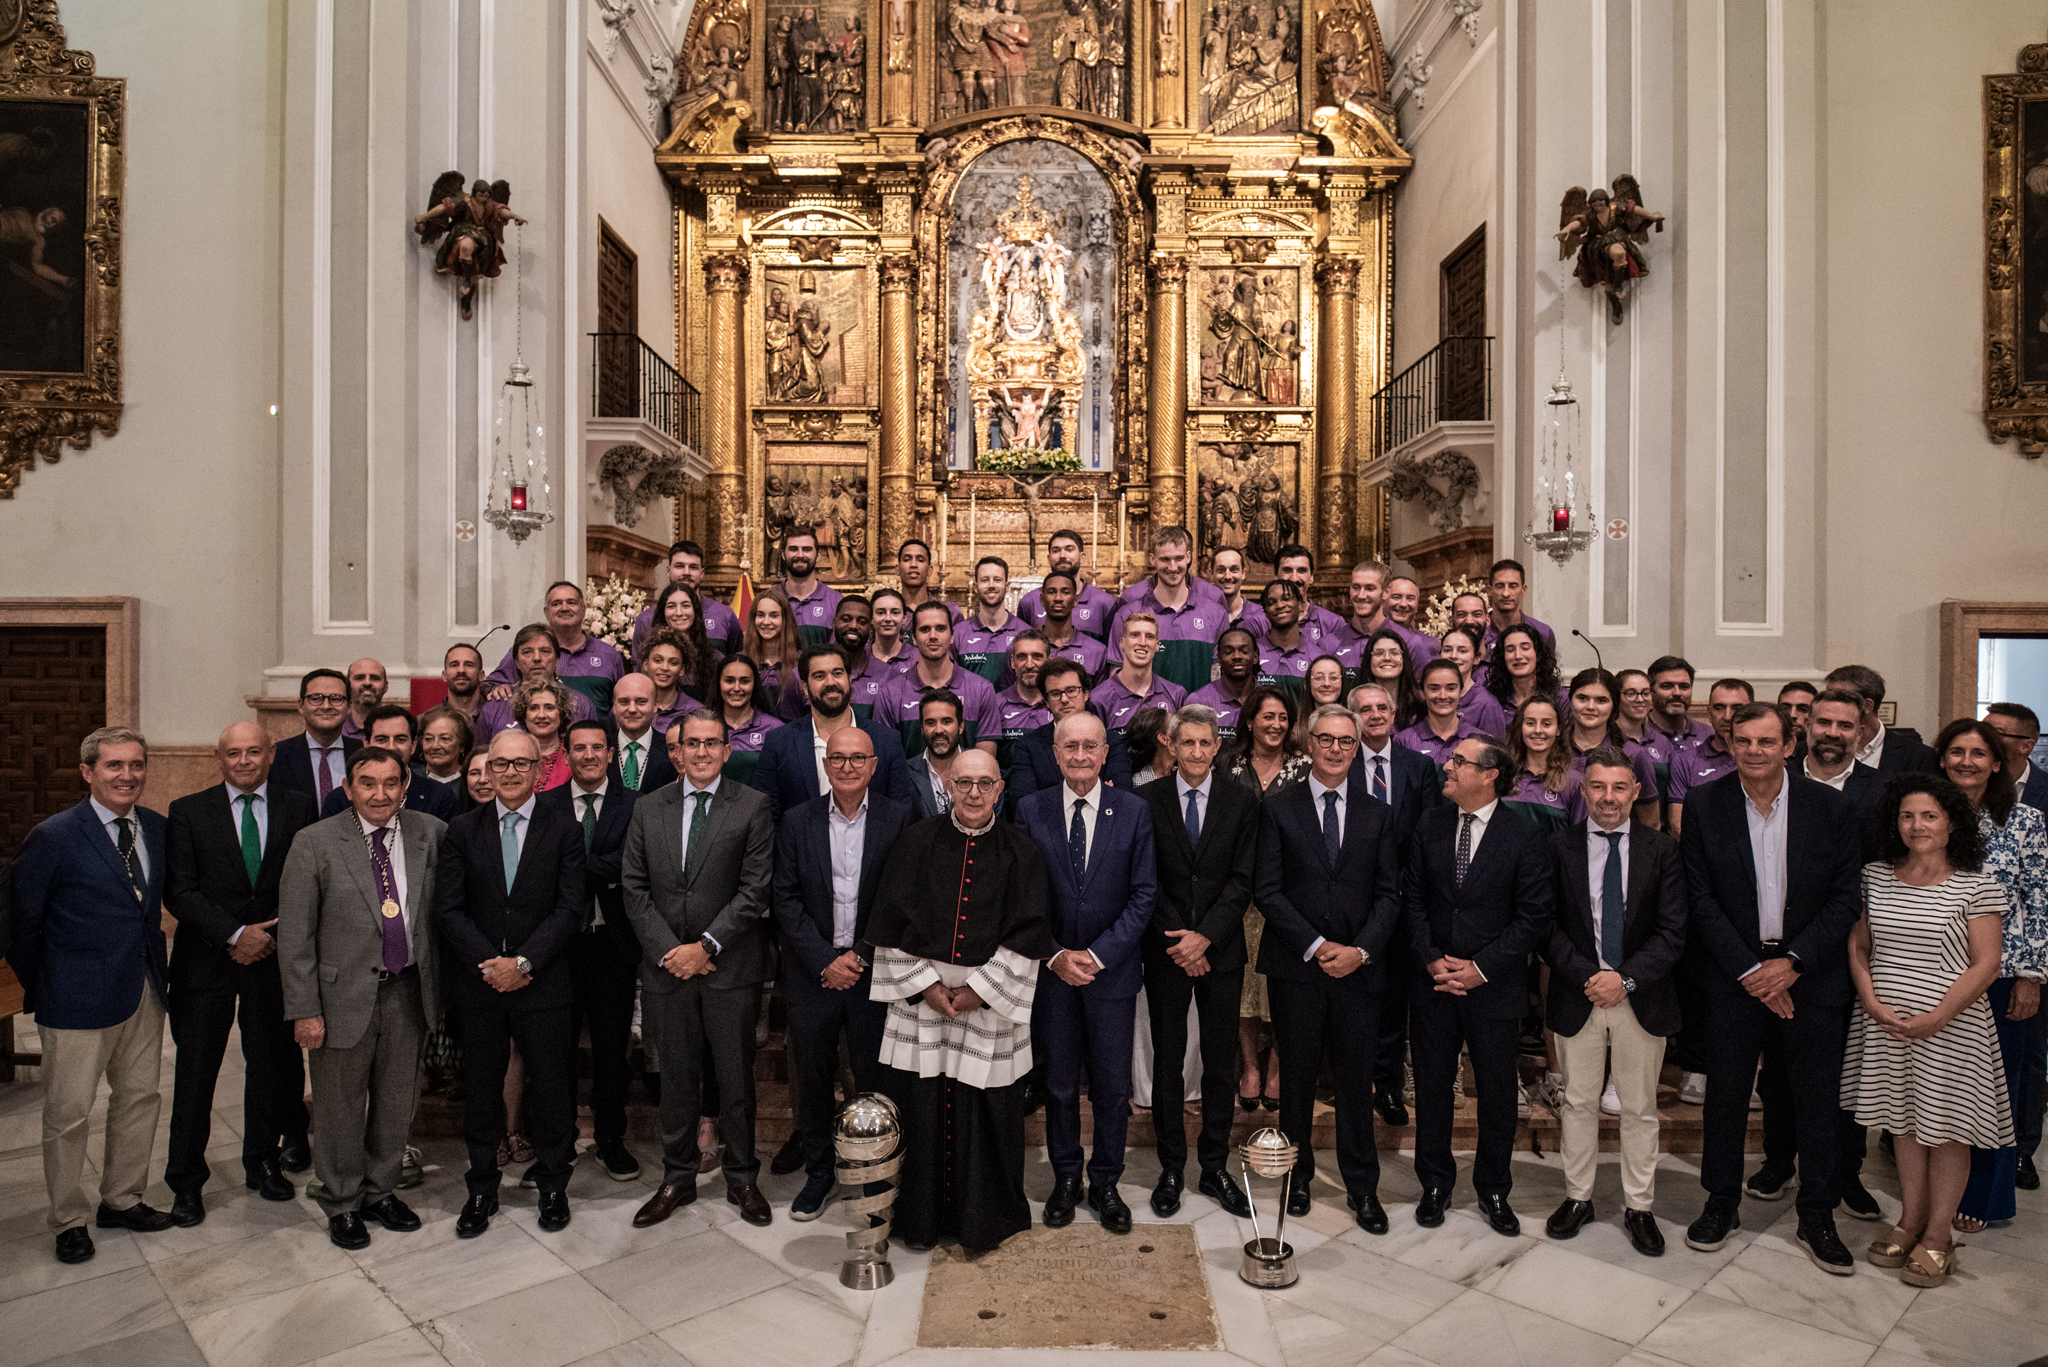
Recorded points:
(1246, 499)
(817, 337)
(1248, 326)
(822, 488)
(1250, 72)
(815, 68)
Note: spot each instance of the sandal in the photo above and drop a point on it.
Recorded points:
(1893, 1249)
(1966, 1224)
(1929, 1267)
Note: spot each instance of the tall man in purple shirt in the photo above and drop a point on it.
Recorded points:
(898, 702)
(1133, 686)
(686, 567)
(983, 640)
(1059, 601)
(812, 599)
(583, 662)
(1237, 659)
(1185, 620)
(1093, 607)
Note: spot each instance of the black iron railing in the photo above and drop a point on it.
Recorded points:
(1452, 383)
(629, 379)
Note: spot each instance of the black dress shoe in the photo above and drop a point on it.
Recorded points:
(1566, 1221)
(1720, 1219)
(1429, 1211)
(1824, 1246)
(1643, 1233)
(1769, 1183)
(187, 1210)
(1392, 1110)
(476, 1215)
(1107, 1203)
(295, 1156)
(143, 1219)
(346, 1230)
(788, 1158)
(74, 1245)
(1059, 1207)
(1372, 1216)
(1298, 1198)
(268, 1181)
(394, 1214)
(666, 1198)
(753, 1205)
(1166, 1195)
(1500, 1215)
(2027, 1179)
(652, 1082)
(1858, 1202)
(554, 1210)
(1220, 1187)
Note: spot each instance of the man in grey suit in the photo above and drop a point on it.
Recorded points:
(356, 951)
(698, 862)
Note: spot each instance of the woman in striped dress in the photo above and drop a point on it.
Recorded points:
(1922, 1058)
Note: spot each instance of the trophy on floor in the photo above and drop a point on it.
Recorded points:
(867, 1136)
(1268, 1263)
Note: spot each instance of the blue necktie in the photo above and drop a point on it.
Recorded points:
(1333, 838)
(1610, 902)
(1379, 777)
(1194, 817)
(1077, 844)
(508, 844)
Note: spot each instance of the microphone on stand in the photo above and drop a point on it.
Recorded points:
(1597, 661)
(479, 646)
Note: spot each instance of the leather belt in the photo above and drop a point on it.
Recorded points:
(385, 975)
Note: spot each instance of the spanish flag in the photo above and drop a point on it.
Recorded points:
(743, 599)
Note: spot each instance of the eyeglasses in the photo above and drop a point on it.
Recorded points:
(848, 761)
(1334, 742)
(975, 785)
(1460, 762)
(1073, 691)
(701, 743)
(325, 699)
(1082, 747)
(507, 766)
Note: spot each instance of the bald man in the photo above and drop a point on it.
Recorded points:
(641, 755)
(225, 851)
(367, 685)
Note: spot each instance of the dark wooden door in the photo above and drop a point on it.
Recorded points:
(1463, 318)
(53, 693)
(618, 322)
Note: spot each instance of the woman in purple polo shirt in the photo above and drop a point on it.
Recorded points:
(1593, 695)
(772, 645)
(681, 611)
(747, 722)
(1523, 666)
(1547, 785)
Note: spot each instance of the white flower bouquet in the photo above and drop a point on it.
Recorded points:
(609, 610)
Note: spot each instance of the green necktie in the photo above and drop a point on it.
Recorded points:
(589, 821)
(508, 842)
(697, 819)
(252, 839)
(633, 765)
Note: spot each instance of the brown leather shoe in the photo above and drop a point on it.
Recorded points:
(663, 1203)
(1643, 1233)
(753, 1205)
(1566, 1221)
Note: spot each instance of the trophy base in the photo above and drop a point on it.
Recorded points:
(859, 1274)
(1268, 1264)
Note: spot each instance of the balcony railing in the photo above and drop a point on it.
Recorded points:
(629, 379)
(1452, 383)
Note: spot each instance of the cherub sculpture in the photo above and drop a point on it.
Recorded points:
(1607, 231)
(474, 225)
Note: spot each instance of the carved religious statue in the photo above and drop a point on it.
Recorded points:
(1607, 232)
(970, 56)
(1077, 47)
(473, 226)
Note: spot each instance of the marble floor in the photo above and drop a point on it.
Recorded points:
(258, 1285)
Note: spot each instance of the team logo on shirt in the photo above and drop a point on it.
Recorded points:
(1199, 624)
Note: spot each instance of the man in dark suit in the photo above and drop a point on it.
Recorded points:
(395, 728)
(1099, 845)
(1410, 783)
(697, 869)
(89, 952)
(1892, 750)
(1771, 863)
(2021, 730)
(1476, 891)
(1329, 886)
(1033, 766)
(315, 762)
(642, 762)
(225, 852)
(828, 864)
(930, 771)
(1207, 831)
(604, 956)
(790, 759)
(1619, 933)
(508, 905)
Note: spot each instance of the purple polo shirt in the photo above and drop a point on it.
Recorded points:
(1665, 749)
(1116, 704)
(1018, 716)
(910, 612)
(1198, 587)
(1703, 763)
(594, 660)
(1086, 652)
(873, 673)
(1529, 788)
(1251, 617)
(1493, 634)
(1093, 609)
(814, 612)
(1226, 707)
(721, 627)
(1423, 740)
(986, 650)
(898, 702)
(750, 738)
(1483, 712)
(1283, 667)
(1187, 636)
(1325, 628)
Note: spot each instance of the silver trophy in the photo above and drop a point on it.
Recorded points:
(867, 1136)
(1269, 1262)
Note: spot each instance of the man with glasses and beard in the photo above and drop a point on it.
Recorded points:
(792, 767)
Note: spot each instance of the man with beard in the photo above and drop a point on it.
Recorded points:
(1093, 606)
(931, 771)
(811, 599)
(984, 638)
(1032, 765)
(462, 670)
(1469, 610)
(914, 570)
(792, 767)
(367, 685)
(852, 629)
(900, 699)
(1227, 564)
(1022, 704)
(588, 665)
(1237, 659)
(1059, 600)
(1671, 729)
(959, 929)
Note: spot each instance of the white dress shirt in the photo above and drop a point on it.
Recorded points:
(690, 791)
(107, 823)
(1871, 753)
(1316, 791)
(941, 799)
(643, 749)
(1839, 782)
(318, 753)
(1480, 820)
(261, 807)
(1090, 804)
(519, 828)
(848, 837)
(1767, 831)
(594, 798)
(1596, 867)
(1382, 760)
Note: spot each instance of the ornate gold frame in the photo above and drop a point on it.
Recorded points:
(2013, 407)
(42, 412)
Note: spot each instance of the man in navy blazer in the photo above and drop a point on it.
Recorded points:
(396, 729)
(788, 771)
(1098, 843)
(89, 951)
(1033, 766)
(1476, 890)
(315, 762)
(640, 761)
(604, 956)
(828, 863)
(1772, 862)
(508, 916)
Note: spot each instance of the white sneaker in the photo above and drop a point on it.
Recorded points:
(1610, 1101)
(1692, 1089)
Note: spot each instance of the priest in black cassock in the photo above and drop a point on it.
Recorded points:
(959, 928)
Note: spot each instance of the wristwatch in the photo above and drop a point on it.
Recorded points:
(525, 965)
(710, 945)
(1628, 985)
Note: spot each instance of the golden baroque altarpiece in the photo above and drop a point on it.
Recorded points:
(958, 269)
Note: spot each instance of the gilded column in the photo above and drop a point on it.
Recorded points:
(1336, 408)
(899, 407)
(1167, 399)
(899, 24)
(725, 279)
(1169, 96)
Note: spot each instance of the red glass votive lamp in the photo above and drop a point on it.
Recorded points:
(519, 498)
(1560, 518)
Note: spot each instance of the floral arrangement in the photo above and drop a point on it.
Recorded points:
(609, 610)
(1018, 460)
(1433, 618)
